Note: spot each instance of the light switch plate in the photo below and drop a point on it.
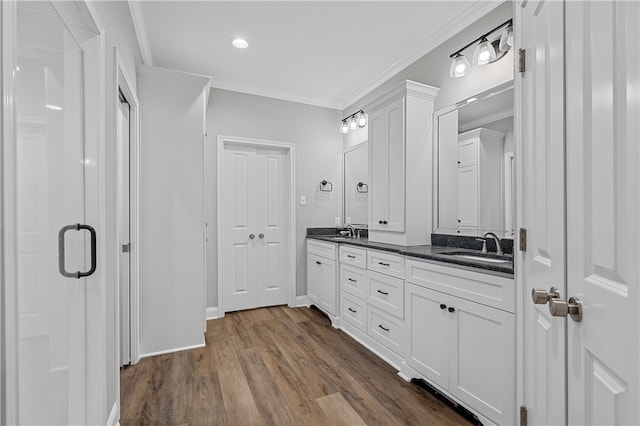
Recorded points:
(303, 200)
(336, 221)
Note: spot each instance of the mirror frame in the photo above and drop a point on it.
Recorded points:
(344, 183)
(486, 94)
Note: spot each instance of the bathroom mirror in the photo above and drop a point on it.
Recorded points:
(474, 165)
(356, 185)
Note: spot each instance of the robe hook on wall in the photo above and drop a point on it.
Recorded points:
(362, 188)
(326, 186)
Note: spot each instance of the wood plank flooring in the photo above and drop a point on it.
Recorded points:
(276, 366)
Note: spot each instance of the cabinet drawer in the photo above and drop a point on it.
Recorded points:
(353, 280)
(353, 256)
(490, 290)
(386, 293)
(386, 329)
(386, 263)
(354, 311)
(320, 248)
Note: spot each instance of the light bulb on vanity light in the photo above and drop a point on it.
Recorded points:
(353, 124)
(484, 53)
(362, 120)
(459, 66)
(344, 127)
(506, 40)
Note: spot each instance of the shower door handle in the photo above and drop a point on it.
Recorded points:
(61, 251)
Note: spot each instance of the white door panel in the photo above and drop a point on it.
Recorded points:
(603, 110)
(255, 231)
(543, 213)
(123, 147)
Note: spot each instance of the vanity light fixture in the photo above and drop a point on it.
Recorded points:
(356, 120)
(485, 51)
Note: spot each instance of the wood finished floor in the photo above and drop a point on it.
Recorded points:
(275, 366)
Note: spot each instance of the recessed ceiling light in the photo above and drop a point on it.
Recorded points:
(240, 43)
(53, 107)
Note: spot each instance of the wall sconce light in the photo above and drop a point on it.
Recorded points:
(356, 120)
(486, 52)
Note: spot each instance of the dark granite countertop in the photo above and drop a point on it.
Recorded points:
(435, 254)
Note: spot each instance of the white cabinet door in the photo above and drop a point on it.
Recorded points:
(603, 211)
(322, 283)
(314, 277)
(329, 298)
(386, 151)
(395, 153)
(482, 358)
(468, 196)
(427, 349)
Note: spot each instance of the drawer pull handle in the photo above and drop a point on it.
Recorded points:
(318, 263)
(451, 309)
(386, 293)
(383, 327)
(443, 306)
(352, 310)
(350, 256)
(352, 280)
(383, 264)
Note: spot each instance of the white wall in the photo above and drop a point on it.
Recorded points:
(313, 129)
(171, 209)
(433, 68)
(116, 20)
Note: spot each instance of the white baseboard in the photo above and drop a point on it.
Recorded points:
(169, 351)
(302, 301)
(213, 313)
(114, 415)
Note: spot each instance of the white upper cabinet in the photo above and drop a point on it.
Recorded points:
(400, 164)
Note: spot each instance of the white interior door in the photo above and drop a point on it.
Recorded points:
(256, 254)
(123, 153)
(50, 201)
(603, 211)
(542, 89)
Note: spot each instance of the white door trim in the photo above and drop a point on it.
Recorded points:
(291, 149)
(123, 82)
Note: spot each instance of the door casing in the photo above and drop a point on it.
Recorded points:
(261, 143)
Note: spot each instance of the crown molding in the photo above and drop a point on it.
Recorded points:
(449, 29)
(140, 27)
(325, 103)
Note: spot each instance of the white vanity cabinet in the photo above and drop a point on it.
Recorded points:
(400, 164)
(322, 277)
(480, 181)
(353, 285)
(465, 348)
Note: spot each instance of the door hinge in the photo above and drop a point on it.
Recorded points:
(522, 60)
(523, 416)
(126, 248)
(523, 239)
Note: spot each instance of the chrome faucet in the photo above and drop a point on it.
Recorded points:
(496, 239)
(352, 230)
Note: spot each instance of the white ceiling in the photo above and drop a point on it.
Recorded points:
(327, 53)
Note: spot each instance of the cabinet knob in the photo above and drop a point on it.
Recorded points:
(451, 309)
(380, 222)
(443, 306)
(384, 222)
(318, 263)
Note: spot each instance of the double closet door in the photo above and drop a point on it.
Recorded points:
(256, 184)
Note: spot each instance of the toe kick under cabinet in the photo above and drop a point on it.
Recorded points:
(460, 332)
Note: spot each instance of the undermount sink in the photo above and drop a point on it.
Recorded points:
(484, 257)
(340, 238)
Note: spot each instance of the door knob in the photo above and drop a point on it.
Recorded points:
(251, 236)
(261, 235)
(560, 308)
(540, 296)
